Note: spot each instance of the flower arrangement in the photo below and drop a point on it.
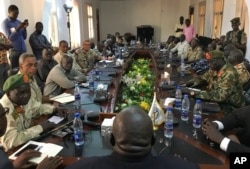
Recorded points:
(137, 85)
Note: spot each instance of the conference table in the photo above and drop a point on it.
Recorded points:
(183, 145)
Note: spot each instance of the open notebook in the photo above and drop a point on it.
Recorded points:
(64, 98)
(46, 149)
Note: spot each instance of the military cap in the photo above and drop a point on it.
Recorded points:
(235, 20)
(214, 54)
(15, 81)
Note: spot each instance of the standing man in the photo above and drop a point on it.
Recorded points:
(236, 36)
(179, 27)
(189, 31)
(38, 41)
(15, 31)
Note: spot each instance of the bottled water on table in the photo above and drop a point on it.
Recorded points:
(91, 82)
(178, 98)
(197, 114)
(182, 68)
(77, 94)
(169, 126)
(185, 108)
(78, 130)
(170, 57)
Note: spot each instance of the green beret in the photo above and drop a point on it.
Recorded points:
(15, 81)
(235, 20)
(215, 54)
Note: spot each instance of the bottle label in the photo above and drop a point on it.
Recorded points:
(197, 121)
(184, 115)
(77, 96)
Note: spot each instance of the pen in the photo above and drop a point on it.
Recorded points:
(38, 148)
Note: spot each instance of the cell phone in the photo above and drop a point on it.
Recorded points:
(28, 147)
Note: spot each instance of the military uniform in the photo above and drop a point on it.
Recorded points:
(243, 73)
(193, 54)
(223, 85)
(236, 37)
(85, 59)
(18, 129)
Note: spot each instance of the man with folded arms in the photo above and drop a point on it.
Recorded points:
(19, 130)
(239, 142)
(62, 77)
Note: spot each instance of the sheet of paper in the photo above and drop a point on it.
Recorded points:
(56, 119)
(47, 149)
(64, 98)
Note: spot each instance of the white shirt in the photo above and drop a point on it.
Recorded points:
(224, 143)
(181, 48)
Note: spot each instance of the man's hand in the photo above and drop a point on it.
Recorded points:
(62, 112)
(23, 158)
(210, 130)
(47, 125)
(50, 163)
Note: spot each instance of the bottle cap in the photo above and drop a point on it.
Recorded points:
(198, 101)
(185, 95)
(77, 114)
(169, 108)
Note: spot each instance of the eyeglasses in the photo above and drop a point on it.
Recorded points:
(6, 110)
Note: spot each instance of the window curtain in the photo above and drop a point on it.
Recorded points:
(202, 11)
(75, 26)
(217, 18)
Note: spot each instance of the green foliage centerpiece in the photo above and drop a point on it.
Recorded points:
(137, 85)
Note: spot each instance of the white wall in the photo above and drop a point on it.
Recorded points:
(125, 15)
(248, 40)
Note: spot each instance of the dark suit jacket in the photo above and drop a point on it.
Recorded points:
(239, 118)
(115, 161)
(5, 163)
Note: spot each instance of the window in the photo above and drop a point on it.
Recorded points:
(202, 12)
(90, 21)
(217, 18)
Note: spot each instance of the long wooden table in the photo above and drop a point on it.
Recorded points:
(184, 145)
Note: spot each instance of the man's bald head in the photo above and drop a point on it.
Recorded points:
(133, 132)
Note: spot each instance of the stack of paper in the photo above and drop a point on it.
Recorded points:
(46, 149)
(64, 98)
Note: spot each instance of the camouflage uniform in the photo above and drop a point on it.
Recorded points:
(223, 86)
(18, 129)
(193, 55)
(243, 73)
(232, 36)
(85, 59)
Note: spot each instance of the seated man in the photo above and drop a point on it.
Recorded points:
(181, 47)
(62, 77)
(38, 104)
(194, 52)
(223, 83)
(234, 143)
(86, 57)
(19, 130)
(45, 64)
(64, 49)
(22, 159)
(132, 142)
(236, 58)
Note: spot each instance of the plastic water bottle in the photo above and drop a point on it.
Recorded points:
(178, 98)
(197, 114)
(78, 130)
(77, 94)
(97, 72)
(91, 82)
(169, 126)
(185, 108)
(170, 58)
(182, 68)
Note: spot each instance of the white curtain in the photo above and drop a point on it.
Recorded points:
(75, 26)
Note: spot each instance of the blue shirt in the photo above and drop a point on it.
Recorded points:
(16, 37)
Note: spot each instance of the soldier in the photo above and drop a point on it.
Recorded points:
(19, 129)
(236, 36)
(86, 57)
(223, 83)
(194, 52)
(236, 58)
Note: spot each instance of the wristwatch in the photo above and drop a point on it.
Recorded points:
(192, 93)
